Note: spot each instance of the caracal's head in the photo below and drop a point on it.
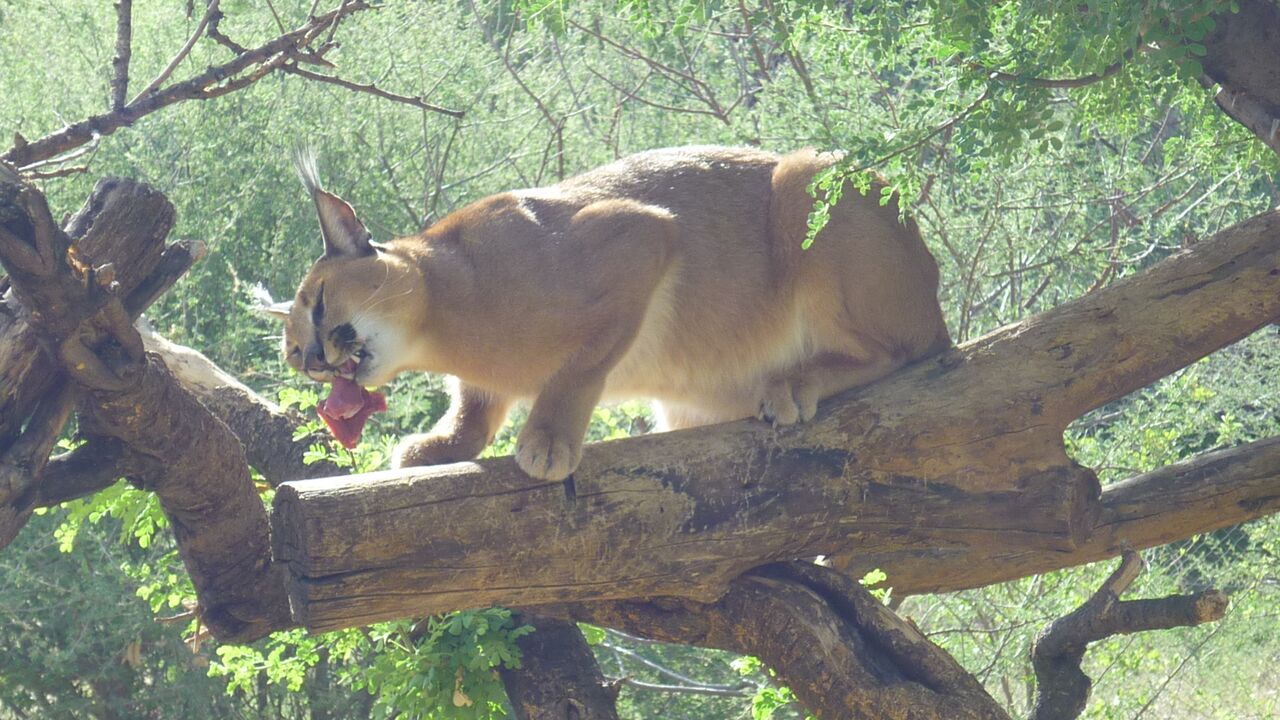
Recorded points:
(356, 313)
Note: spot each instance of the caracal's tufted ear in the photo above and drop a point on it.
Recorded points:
(264, 304)
(344, 234)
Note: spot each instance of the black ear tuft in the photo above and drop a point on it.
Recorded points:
(344, 234)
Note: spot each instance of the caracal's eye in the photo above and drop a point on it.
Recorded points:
(361, 354)
(296, 351)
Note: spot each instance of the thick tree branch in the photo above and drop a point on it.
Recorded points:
(94, 466)
(1063, 688)
(123, 225)
(266, 431)
(842, 652)
(962, 454)
(1204, 493)
(23, 462)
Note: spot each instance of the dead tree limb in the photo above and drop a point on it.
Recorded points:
(94, 466)
(961, 452)
(191, 460)
(559, 676)
(266, 430)
(1205, 493)
(1062, 687)
(1210, 491)
(122, 225)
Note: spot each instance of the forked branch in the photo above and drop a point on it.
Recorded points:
(1056, 655)
(247, 67)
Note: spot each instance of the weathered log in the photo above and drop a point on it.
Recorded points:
(960, 452)
(1210, 491)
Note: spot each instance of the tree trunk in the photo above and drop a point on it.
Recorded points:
(558, 678)
(122, 223)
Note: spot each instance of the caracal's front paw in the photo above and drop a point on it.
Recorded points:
(427, 449)
(778, 405)
(546, 455)
(807, 395)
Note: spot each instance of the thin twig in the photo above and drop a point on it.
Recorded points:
(372, 89)
(202, 86)
(718, 691)
(1065, 83)
(182, 54)
(557, 124)
(631, 95)
(124, 51)
(963, 114)
(276, 15)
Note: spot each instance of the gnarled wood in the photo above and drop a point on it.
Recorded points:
(1062, 687)
(959, 454)
(83, 322)
(266, 430)
(122, 223)
(558, 678)
(843, 653)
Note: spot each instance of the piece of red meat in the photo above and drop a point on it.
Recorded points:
(347, 409)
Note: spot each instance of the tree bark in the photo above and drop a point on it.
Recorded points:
(122, 223)
(558, 678)
(83, 324)
(266, 430)
(1205, 493)
(843, 653)
(1243, 57)
(960, 454)
(1062, 688)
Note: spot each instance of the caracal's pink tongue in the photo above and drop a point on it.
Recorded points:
(347, 409)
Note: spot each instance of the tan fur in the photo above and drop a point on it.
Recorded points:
(673, 274)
